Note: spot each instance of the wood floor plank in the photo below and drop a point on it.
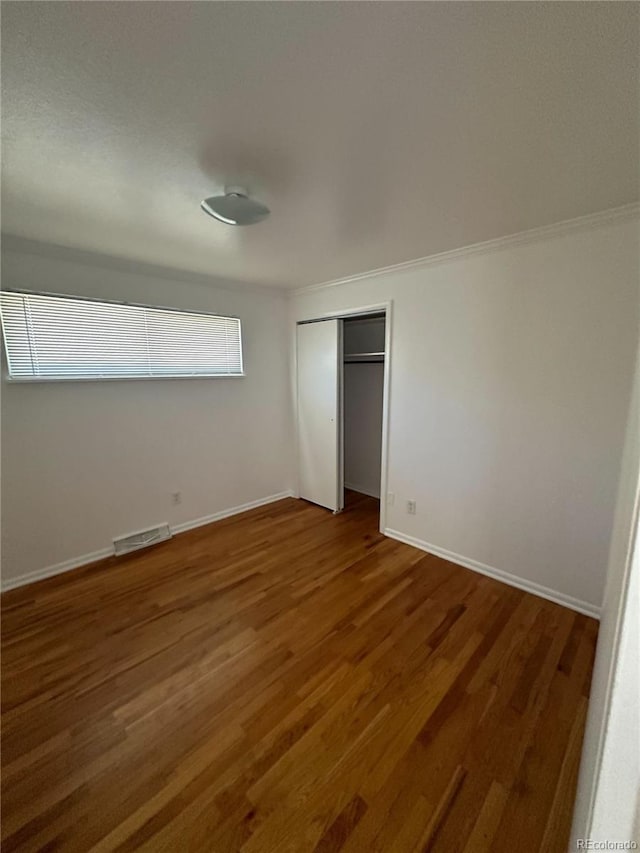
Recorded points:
(484, 829)
(289, 680)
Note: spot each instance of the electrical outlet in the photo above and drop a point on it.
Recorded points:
(391, 498)
(176, 498)
(411, 507)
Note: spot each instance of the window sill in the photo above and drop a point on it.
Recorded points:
(30, 380)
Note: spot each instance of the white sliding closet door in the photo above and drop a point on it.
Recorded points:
(319, 418)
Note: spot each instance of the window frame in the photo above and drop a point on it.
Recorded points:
(27, 380)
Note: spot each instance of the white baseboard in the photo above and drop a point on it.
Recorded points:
(498, 574)
(362, 490)
(85, 559)
(225, 513)
(56, 569)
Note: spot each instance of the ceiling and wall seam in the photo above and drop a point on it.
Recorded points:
(522, 238)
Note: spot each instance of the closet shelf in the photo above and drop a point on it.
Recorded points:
(351, 357)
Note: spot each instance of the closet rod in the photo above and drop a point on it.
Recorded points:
(352, 357)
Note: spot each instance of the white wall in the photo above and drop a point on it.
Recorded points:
(510, 379)
(84, 461)
(363, 395)
(608, 797)
(616, 802)
(363, 392)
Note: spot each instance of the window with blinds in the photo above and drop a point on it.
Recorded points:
(60, 337)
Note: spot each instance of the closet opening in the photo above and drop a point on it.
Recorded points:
(342, 397)
(362, 398)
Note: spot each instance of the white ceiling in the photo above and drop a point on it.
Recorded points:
(376, 132)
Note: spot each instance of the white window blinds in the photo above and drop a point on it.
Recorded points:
(60, 337)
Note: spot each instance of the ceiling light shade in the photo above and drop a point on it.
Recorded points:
(235, 207)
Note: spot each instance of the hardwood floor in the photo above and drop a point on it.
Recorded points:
(287, 680)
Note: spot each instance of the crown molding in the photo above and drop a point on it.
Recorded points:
(520, 238)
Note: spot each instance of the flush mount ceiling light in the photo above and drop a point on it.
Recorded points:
(235, 207)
